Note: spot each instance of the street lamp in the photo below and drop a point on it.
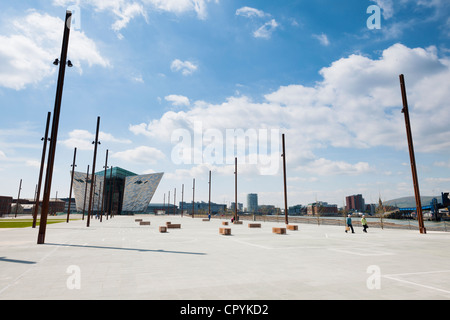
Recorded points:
(41, 170)
(96, 143)
(285, 186)
(71, 183)
(405, 111)
(54, 133)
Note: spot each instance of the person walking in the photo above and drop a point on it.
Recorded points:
(364, 223)
(349, 224)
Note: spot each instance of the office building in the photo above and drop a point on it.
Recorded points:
(355, 203)
(252, 203)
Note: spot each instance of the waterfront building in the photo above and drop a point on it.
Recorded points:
(123, 192)
(355, 203)
(252, 203)
(322, 209)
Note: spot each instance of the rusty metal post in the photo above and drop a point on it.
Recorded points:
(405, 111)
(41, 170)
(182, 199)
(54, 133)
(85, 192)
(285, 184)
(18, 197)
(209, 201)
(193, 194)
(71, 183)
(104, 185)
(93, 172)
(110, 196)
(235, 189)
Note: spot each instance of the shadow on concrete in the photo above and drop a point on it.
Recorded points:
(126, 249)
(3, 259)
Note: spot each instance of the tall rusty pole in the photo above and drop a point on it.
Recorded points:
(85, 192)
(71, 183)
(405, 111)
(285, 184)
(93, 172)
(18, 197)
(193, 194)
(235, 189)
(182, 198)
(104, 186)
(41, 170)
(174, 201)
(209, 200)
(54, 133)
(110, 196)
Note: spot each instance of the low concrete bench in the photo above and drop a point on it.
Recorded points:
(237, 222)
(174, 226)
(254, 225)
(205, 219)
(279, 230)
(225, 231)
(291, 227)
(224, 223)
(137, 220)
(167, 223)
(162, 229)
(144, 223)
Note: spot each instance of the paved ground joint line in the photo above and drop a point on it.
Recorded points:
(393, 277)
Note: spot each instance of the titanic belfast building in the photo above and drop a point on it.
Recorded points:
(123, 192)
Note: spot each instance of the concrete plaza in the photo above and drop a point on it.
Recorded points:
(120, 259)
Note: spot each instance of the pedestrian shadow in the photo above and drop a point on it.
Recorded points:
(125, 249)
(4, 259)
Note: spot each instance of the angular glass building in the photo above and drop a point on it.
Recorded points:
(123, 192)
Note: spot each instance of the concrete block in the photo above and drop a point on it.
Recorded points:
(254, 225)
(225, 231)
(279, 230)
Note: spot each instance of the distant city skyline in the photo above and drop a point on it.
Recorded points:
(179, 84)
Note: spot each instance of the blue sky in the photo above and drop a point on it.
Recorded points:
(152, 69)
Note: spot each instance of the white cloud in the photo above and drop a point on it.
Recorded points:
(356, 104)
(444, 164)
(250, 12)
(82, 139)
(142, 154)
(26, 54)
(177, 100)
(387, 7)
(323, 39)
(266, 30)
(182, 6)
(185, 67)
(325, 167)
(124, 10)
